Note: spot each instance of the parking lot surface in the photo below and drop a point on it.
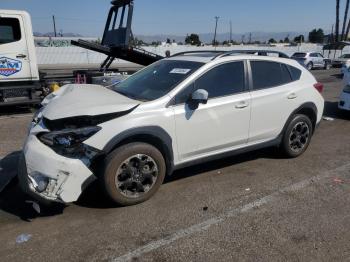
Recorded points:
(253, 207)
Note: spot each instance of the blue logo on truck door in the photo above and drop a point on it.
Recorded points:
(9, 66)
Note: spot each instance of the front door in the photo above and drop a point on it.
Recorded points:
(220, 125)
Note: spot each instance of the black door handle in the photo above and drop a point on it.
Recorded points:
(21, 56)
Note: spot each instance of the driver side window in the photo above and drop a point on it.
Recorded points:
(223, 80)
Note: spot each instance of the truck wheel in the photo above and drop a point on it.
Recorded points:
(327, 66)
(297, 136)
(310, 66)
(133, 173)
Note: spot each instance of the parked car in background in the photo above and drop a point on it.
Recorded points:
(312, 60)
(344, 102)
(342, 60)
(179, 111)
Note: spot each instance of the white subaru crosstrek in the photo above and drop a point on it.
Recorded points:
(183, 110)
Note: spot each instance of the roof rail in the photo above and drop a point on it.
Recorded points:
(219, 54)
(252, 52)
(199, 52)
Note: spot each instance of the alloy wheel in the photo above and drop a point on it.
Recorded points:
(136, 176)
(299, 137)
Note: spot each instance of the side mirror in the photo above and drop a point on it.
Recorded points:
(200, 96)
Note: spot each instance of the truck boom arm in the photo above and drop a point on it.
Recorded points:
(117, 36)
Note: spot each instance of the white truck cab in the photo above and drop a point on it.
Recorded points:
(19, 75)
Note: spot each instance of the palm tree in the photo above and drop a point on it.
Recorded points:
(337, 21)
(345, 36)
(347, 31)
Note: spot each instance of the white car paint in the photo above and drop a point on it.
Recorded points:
(344, 100)
(77, 100)
(223, 124)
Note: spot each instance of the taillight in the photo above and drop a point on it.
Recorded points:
(319, 87)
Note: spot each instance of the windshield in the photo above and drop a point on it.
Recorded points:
(156, 80)
(345, 56)
(299, 55)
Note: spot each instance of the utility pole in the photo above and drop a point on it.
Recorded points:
(250, 38)
(216, 28)
(230, 32)
(54, 25)
(243, 37)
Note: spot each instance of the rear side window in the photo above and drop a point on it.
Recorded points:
(267, 74)
(300, 55)
(10, 30)
(294, 72)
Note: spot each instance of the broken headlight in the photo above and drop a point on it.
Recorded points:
(69, 140)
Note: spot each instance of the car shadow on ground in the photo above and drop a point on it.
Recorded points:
(16, 110)
(331, 110)
(93, 197)
(339, 76)
(13, 200)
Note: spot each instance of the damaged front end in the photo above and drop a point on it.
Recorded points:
(56, 165)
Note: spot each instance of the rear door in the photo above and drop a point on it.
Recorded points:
(14, 57)
(274, 97)
(316, 60)
(322, 60)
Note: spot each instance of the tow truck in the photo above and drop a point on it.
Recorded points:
(22, 83)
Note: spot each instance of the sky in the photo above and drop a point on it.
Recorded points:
(181, 17)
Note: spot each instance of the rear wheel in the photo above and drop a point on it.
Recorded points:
(327, 66)
(310, 66)
(133, 173)
(297, 136)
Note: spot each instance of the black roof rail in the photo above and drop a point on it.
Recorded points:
(219, 54)
(199, 52)
(252, 52)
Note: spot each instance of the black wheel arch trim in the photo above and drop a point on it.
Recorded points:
(152, 131)
(308, 105)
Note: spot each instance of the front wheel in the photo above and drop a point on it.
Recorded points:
(310, 66)
(133, 173)
(297, 136)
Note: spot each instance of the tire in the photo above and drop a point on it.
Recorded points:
(327, 66)
(310, 66)
(123, 178)
(297, 136)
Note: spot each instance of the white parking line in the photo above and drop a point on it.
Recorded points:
(229, 214)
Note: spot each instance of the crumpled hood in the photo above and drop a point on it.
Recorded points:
(85, 100)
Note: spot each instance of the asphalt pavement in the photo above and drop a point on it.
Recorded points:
(253, 207)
